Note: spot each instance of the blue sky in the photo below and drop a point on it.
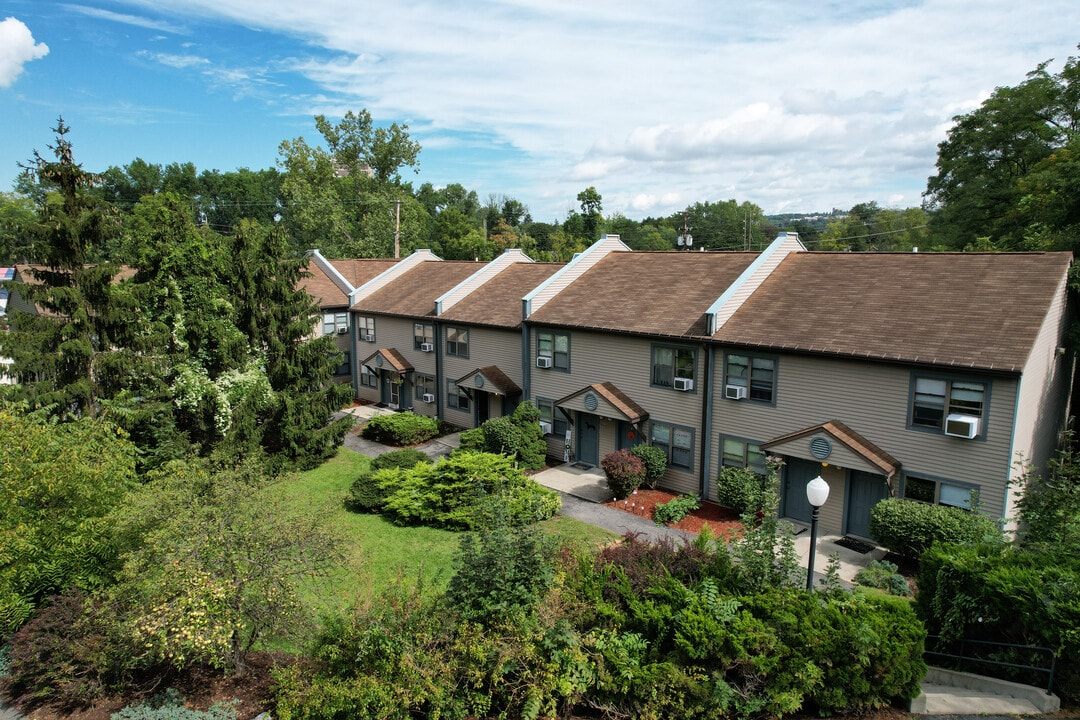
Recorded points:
(792, 105)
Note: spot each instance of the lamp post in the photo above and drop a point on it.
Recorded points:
(817, 492)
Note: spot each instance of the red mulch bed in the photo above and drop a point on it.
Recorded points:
(723, 522)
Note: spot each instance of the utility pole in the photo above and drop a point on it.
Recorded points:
(397, 229)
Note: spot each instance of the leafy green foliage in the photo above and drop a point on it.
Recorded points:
(882, 574)
(655, 460)
(675, 510)
(501, 573)
(1050, 507)
(403, 428)
(909, 528)
(212, 564)
(467, 490)
(739, 489)
(473, 440)
(367, 493)
(1001, 593)
(518, 436)
(58, 483)
(625, 472)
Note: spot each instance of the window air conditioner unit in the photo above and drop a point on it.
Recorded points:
(342, 331)
(734, 392)
(545, 427)
(427, 347)
(543, 361)
(369, 338)
(429, 397)
(962, 426)
(684, 384)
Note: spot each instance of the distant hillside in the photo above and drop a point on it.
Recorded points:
(801, 222)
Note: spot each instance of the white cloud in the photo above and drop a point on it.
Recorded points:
(17, 47)
(135, 20)
(175, 61)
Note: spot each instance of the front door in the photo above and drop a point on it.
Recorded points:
(483, 407)
(588, 439)
(385, 388)
(798, 472)
(865, 491)
(627, 436)
(394, 386)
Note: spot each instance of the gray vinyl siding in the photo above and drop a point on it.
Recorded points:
(626, 362)
(1044, 396)
(872, 399)
(488, 346)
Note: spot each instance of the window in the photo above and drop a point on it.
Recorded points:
(343, 368)
(365, 326)
(423, 333)
(457, 341)
(738, 453)
(423, 385)
(934, 398)
(669, 363)
(677, 441)
(368, 378)
(555, 346)
(549, 414)
(939, 492)
(455, 396)
(754, 373)
(333, 323)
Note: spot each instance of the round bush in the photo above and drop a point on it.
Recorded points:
(625, 472)
(739, 489)
(655, 460)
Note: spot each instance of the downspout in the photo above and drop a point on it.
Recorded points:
(706, 419)
(526, 347)
(355, 362)
(440, 381)
(1009, 463)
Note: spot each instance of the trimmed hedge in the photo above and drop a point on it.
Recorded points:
(739, 489)
(909, 528)
(655, 460)
(403, 428)
(366, 494)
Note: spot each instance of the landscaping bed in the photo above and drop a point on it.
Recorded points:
(723, 522)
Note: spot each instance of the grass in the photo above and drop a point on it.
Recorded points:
(377, 552)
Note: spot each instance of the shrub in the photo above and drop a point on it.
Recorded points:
(675, 510)
(881, 574)
(909, 528)
(739, 489)
(465, 491)
(625, 472)
(403, 428)
(518, 436)
(366, 494)
(473, 440)
(655, 460)
(170, 706)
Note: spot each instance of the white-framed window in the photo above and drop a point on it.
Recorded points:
(549, 414)
(457, 341)
(740, 453)
(456, 397)
(368, 378)
(423, 333)
(934, 398)
(556, 346)
(670, 362)
(365, 328)
(755, 373)
(335, 322)
(939, 492)
(677, 441)
(423, 385)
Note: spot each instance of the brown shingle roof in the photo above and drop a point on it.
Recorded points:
(498, 301)
(494, 377)
(415, 292)
(977, 310)
(853, 440)
(658, 293)
(619, 400)
(357, 272)
(395, 359)
(360, 271)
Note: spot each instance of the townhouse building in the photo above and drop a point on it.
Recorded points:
(919, 375)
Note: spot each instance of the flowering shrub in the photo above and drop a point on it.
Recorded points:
(625, 472)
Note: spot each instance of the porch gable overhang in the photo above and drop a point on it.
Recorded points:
(489, 379)
(836, 444)
(388, 359)
(605, 400)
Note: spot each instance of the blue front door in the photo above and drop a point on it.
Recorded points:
(588, 438)
(798, 472)
(865, 490)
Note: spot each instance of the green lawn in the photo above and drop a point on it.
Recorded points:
(377, 551)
